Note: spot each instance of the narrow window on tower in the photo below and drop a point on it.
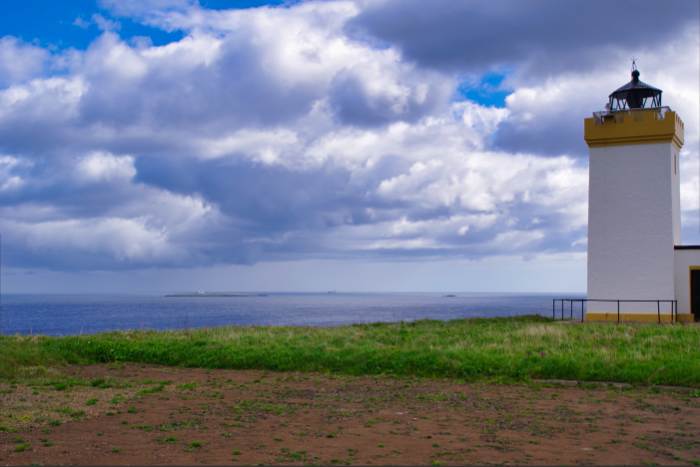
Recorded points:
(675, 163)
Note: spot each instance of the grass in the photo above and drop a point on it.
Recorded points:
(23, 447)
(73, 413)
(194, 445)
(501, 348)
(167, 440)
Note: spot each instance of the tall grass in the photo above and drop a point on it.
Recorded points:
(506, 348)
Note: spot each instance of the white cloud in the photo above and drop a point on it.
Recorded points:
(105, 24)
(156, 12)
(101, 166)
(49, 100)
(267, 147)
(20, 61)
(111, 57)
(122, 240)
(9, 179)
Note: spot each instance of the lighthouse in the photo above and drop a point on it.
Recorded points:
(637, 268)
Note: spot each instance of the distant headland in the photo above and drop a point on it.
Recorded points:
(213, 295)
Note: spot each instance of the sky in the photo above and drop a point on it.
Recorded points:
(150, 146)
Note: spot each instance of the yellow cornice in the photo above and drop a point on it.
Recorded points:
(644, 126)
(627, 317)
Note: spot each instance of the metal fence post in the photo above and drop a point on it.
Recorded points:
(674, 311)
(618, 312)
(553, 315)
(658, 310)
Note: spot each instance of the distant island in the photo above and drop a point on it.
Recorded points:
(213, 295)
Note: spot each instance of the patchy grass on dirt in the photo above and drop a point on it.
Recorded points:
(253, 417)
(501, 348)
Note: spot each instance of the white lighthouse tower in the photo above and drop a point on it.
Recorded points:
(637, 269)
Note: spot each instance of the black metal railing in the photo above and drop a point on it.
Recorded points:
(584, 301)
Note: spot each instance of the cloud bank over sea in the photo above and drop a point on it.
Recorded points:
(324, 130)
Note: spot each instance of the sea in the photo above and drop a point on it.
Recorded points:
(88, 314)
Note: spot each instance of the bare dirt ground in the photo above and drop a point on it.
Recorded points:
(135, 414)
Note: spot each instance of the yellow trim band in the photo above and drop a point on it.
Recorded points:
(634, 127)
(626, 317)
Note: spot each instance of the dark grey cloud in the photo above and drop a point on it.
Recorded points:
(268, 200)
(354, 105)
(566, 141)
(542, 37)
(553, 134)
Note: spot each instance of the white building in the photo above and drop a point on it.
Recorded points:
(636, 263)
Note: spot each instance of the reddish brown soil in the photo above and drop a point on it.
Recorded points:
(251, 417)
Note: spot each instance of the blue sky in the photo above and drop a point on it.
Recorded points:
(70, 24)
(164, 145)
(59, 25)
(488, 91)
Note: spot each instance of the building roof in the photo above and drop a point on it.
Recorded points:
(634, 94)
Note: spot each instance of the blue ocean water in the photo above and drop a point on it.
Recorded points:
(85, 314)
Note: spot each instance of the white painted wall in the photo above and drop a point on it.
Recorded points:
(684, 260)
(676, 193)
(633, 224)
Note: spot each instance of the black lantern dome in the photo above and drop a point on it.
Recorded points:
(635, 95)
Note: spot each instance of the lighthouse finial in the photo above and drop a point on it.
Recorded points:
(635, 72)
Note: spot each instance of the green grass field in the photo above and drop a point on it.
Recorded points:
(506, 349)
